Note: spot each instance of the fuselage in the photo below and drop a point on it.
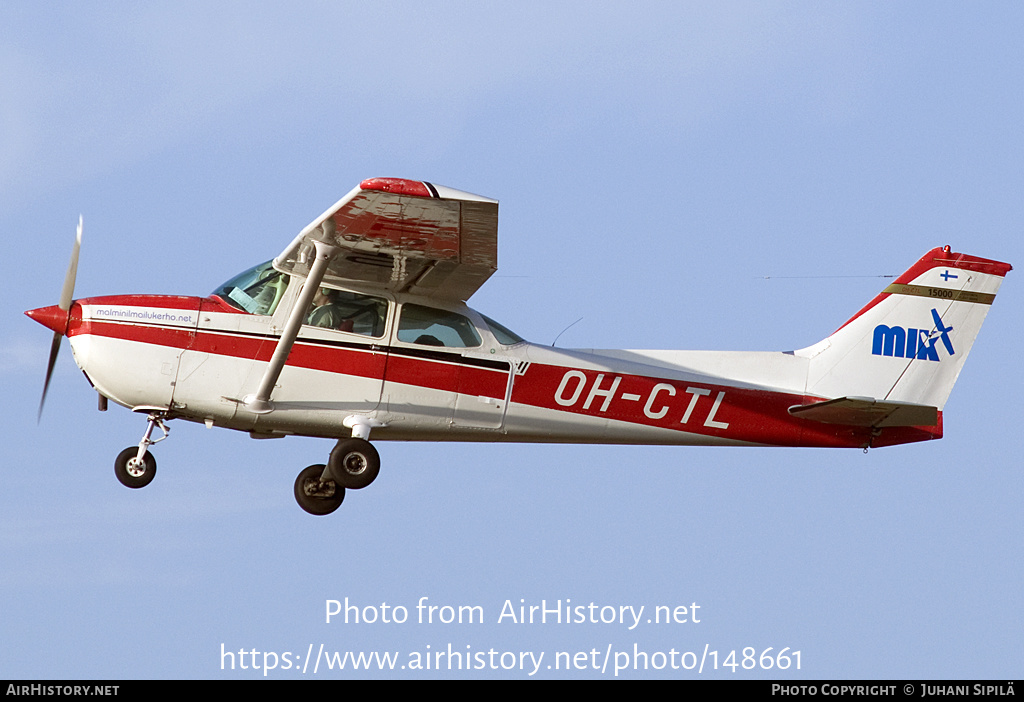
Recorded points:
(198, 358)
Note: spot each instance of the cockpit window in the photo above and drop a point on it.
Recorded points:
(433, 327)
(257, 291)
(504, 335)
(348, 312)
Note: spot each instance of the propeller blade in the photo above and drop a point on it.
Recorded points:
(66, 298)
(68, 291)
(54, 350)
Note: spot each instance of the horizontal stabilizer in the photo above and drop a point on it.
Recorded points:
(868, 412)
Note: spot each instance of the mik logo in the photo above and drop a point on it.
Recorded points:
(912, 343)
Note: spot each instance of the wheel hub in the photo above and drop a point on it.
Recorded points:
(354, 463)
(136, 468)
(318, 488)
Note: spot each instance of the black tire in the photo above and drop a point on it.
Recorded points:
(317, 496)
(130, 472)
(354, 463)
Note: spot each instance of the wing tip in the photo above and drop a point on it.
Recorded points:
(399, 186)
(421, 188)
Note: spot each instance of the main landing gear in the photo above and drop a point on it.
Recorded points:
(135, 467)
(353, 464)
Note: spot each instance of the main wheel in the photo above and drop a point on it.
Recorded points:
(317, 496)
(354, 463)
(131, 472)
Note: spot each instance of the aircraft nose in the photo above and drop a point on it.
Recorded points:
(52, 317)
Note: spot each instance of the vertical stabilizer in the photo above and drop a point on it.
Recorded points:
(910, 342)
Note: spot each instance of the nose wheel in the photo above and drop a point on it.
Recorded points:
(135, 467)
(132, 471)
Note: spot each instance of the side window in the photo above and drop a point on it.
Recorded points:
(432, 327)
(348, 312)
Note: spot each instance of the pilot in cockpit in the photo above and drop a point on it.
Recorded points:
(327, 312)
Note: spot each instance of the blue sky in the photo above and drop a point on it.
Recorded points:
(654, 163)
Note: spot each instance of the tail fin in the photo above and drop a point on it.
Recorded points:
(909, 343)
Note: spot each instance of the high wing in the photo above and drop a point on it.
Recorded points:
(403, 236)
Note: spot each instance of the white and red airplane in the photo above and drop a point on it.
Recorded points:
(360, 326)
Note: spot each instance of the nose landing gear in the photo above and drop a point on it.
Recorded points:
(135, 467)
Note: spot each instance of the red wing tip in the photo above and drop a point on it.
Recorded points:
(399, 186)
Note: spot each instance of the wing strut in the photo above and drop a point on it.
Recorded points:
(260, 402)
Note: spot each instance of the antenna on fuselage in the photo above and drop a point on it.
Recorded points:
(564, 331)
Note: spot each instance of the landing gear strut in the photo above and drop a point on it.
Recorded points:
(135, 467)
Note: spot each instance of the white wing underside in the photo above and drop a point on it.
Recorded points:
(403, 236)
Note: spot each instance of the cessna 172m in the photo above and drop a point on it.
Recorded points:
(360, 327)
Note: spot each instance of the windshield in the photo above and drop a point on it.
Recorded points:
(256, 291)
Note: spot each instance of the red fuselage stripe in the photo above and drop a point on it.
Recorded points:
(354, 360)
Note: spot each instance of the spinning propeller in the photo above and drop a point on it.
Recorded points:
(57, 317)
